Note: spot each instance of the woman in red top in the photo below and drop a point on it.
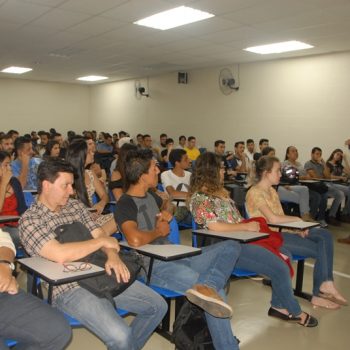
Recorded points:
(11, 197)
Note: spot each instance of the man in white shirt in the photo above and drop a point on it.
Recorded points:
(250, 150)
(176, 182)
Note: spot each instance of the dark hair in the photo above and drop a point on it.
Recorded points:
(49, 148)
(219, 142)
(332, 156)
(76, 156)
(11, 132)
(3, 156)
(169, 140)
(264, 163)
(262, 141)
(176, 155)
(146, 135)
(5, 137)
(249, 141)
(136, 164)
(163, 135)
(239, 143)
(49, 170)
(138, 135)
(190, 138)
(206, 174)
(20, 142)
(267, 150)
(316, 149)
(123, 151)
(182, 137)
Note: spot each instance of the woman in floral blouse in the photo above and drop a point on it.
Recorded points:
(213, 209)
(262, 201)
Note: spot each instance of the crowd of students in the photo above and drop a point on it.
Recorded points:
(75, 178)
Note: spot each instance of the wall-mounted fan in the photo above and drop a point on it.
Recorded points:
(227, 81)
(140, 90)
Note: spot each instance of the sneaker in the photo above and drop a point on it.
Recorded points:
(333, 221)
(209, 300)
(323, 223)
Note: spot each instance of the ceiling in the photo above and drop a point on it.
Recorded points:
(65, 39)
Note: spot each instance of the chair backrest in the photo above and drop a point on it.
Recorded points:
(160, 187)
(174, 235)
(194, 236)
(29, 198)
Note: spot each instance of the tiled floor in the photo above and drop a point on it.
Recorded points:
(257, 331)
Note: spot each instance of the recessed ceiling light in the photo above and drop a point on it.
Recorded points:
(279, 47)
(174, 18)
(16, 70)
(92, 78)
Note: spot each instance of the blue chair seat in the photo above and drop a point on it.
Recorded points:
(10, 343)
(243, 273)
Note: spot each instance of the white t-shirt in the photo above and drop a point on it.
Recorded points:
(177, 182)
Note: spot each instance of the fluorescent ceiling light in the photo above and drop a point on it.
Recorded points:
(16, 70)
(174, 18)
(92, 78)
(279, 47)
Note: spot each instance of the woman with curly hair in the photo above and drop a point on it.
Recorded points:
(213, 209)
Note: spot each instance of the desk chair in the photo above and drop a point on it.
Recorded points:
(10, 343)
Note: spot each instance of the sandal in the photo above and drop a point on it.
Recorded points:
(333, 298)
(309, 321)
(275, 313)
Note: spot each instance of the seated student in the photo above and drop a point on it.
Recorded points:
(25, 166)
(44, 139)
(213, 209)
(23, 317)
(182, 142)
(87, 184)
(336, 170)
(148, 144)
(164, 154)
(316, 168)
(116, 185)
(262, 144)
(38, 231)
(6, 144)
(52, 150)
(240, 161)
(202, 277)
(250, 150)
(317, 200)
(219, 150)
(293, 193)
(11, 197)
(191, 149)
(176, 182)
(262, 200)
(105, 147)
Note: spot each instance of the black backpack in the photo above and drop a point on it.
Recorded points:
(190, 329)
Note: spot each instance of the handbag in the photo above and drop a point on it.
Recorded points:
(103, 286)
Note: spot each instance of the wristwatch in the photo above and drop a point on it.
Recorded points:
(9, 263)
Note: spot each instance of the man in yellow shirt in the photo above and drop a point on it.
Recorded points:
(191, 149)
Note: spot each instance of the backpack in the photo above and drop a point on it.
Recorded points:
(190, 329)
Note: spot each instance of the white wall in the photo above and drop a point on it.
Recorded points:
(31, 105)
(302, 101)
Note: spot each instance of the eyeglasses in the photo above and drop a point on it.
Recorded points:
(84, 266)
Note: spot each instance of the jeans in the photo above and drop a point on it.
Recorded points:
(296, 194)
(318, 204)
(14, 233)
(31, 322)
(264, 262)
(338, 195)
(346, 192)
(213, 268)
(317, 245)
(100, 317)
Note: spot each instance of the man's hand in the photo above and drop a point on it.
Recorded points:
(121, 271)
(24, 158)
(7, 282)
(304, 233)
(162, 223)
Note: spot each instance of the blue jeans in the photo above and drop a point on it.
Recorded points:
(264, 262)
(338, 195)
(318, 204)
(317, 245)
(31, 322)
(99, 316)
(212, 268)
(346, 191)
(296, 194)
